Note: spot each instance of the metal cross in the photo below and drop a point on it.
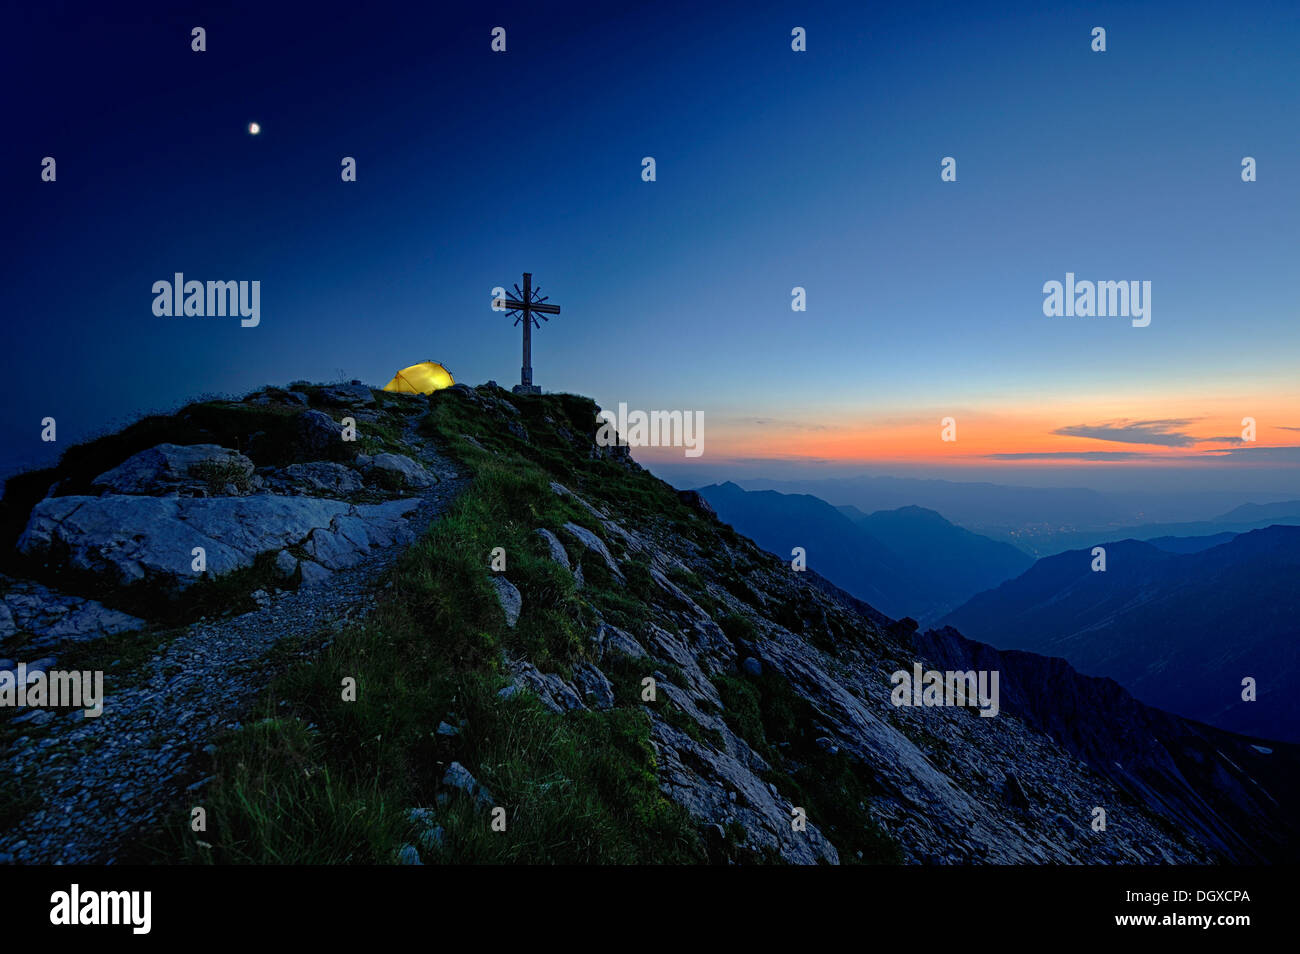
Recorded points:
(525, 307)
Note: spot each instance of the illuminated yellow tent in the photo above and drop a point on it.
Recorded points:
(423, 378)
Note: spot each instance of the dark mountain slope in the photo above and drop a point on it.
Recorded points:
(1223, 786)
(1179, 630)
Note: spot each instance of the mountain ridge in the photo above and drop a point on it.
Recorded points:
(518, 680)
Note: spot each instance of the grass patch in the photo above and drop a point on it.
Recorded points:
(217, 474)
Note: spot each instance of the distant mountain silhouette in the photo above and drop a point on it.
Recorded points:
(967, 503)
(1180, 630)
(1241, 519)
(1286, 511)
(905, 562)
(1190, 544)
(1040, 520)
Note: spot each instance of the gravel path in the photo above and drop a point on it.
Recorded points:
(103, 780)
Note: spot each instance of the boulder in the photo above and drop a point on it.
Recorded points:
(324, 477)
(401, 469)
(193, 469)
(719, 786)
(596, 544)
(318, 434)
(313, 574)
(348, 395)
(55, 619)
(129, 540)
(551, 690)
(512, 601)
(273, 396)
(553, 543)
(594, 686)
(286, 564)
(350, 536)
(611, 639)
(461, 778)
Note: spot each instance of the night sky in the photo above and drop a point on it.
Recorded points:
(775, 169)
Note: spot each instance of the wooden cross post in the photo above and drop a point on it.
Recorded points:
(525, 308)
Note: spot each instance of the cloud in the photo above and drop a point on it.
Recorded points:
(1076, 455)
(782, 460)
(1253, 452)
(1165, 433)
(1285, 428)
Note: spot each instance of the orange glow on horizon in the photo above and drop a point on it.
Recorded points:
(1157, 436)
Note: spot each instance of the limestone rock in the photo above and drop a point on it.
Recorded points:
(313, 574)
(324, 477)
(558, 553)
(461, 778)
(611, 639)
(348, 395)
(191, 469)
(55, 619)
(595, 544)
(594, 686)
(512, 601)
(286, 564)
(129, 540)
(552, 691)
(402, 469)
(719, 787)
(319, 435)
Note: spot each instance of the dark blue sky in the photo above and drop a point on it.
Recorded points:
(775, 169)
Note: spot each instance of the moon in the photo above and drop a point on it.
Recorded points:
(254, 129)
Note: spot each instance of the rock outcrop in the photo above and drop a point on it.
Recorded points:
(52, 619)
(193, 470)
(130, 540)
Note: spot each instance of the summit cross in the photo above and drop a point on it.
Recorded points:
(527, 304)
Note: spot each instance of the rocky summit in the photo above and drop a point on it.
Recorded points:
(464, 632)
